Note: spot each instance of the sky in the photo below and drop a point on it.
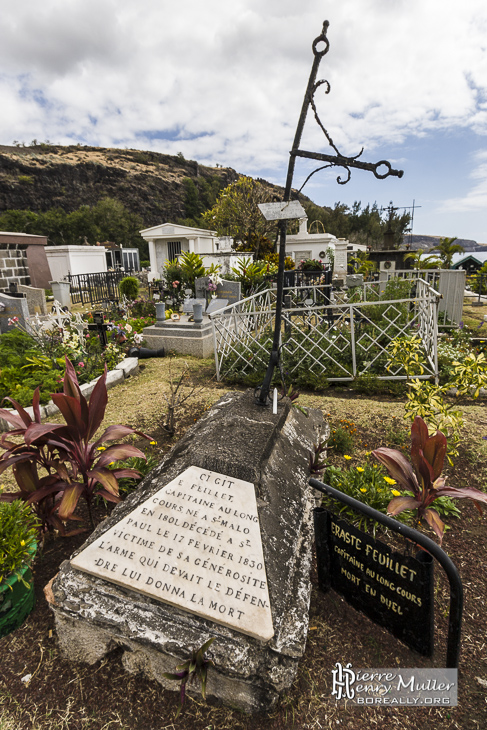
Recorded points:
(223, 81)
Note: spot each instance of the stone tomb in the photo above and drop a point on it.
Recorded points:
(194, 544)
(183, 336)
(240, 474)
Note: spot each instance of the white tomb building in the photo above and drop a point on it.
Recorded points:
(168, 240)
(304, 245)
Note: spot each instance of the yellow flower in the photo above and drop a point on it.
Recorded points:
(101, 448)
(396, 493)
(152, 443)
(347, 457)
(22, 543)
(359, 468)
(389, 480)
(362, 489)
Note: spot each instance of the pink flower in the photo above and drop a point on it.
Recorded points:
(175, 284)
(81, 364)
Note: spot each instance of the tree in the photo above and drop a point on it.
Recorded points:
(359, 225)
(236, 214)
(420, 261)
(447, 248)
(108, 220)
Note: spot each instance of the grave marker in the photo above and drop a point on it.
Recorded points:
(215, 305)
(229, 290)
(188, 304)
(15, 307)
(392, 589)
(250, 486)
(194, 544)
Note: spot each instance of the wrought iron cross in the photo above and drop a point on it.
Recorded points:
(381, 170)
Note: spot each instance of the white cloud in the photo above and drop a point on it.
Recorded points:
(475, 199)
(225, 80)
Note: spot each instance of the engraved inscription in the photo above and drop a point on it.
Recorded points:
(195, 544)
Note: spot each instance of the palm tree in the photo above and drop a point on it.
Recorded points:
(420, 261)
(446, 248)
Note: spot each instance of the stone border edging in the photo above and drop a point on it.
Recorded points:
(129, 366)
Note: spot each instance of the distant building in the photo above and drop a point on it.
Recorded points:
(75, 260)
(168, 240)
(121, 258)
(469, 262)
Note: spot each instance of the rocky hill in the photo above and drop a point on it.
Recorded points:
(427, 242)
(43, 176)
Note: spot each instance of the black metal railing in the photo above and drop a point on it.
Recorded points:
(478, 284)
(95, 288)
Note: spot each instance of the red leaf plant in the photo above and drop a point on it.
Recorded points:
(423, 478)
(54, 465)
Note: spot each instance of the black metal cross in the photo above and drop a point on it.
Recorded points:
(381, 170)
(100, 327)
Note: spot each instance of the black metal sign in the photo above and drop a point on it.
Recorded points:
(392, 589)
(388, 562)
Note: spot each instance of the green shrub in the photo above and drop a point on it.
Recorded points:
(129, 287)
(18, 531)
(369, 484)
(143, 466)
(342, 438)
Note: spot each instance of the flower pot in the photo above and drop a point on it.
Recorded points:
(198, 313)
(16, 600)
(160, 311)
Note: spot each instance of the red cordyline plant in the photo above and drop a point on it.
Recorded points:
(54, 465)
(194, 668)
(423, 478)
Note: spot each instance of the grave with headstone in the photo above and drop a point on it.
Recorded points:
(36, 299)
(182, 335)
(229, 290)
(14, 308)
(185, 335)
(216, 542)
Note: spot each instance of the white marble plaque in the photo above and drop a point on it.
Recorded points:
(194, 544)
(284, 210)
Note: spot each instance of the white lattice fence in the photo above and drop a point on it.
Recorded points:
(340, 341)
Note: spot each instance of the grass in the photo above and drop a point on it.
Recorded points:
(378, 421)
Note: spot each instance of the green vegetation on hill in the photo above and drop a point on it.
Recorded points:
(108, 220)
(75, 193)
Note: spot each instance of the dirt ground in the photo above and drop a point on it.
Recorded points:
(62, 695)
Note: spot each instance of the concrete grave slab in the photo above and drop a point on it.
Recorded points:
(258, 452)
(194, 544)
